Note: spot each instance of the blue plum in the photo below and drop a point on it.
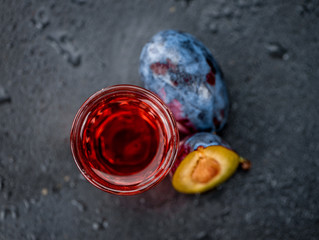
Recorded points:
(203, 139)
(182, 71)
(192, 143)
(204, 161)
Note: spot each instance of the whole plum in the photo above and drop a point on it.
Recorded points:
(182, 71)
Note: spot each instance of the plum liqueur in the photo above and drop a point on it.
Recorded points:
(124, 139)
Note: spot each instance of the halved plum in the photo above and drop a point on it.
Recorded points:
(204, 161)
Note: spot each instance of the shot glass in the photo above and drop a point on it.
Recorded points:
(124, 139)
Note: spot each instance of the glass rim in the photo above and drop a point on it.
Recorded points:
(81, 160)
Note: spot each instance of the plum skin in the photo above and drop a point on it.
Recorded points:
(182, 71)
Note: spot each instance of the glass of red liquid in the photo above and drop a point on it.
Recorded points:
(124, 139)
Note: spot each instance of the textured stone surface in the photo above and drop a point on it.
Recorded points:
(55, 54)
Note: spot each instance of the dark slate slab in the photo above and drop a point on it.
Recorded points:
(55, 54)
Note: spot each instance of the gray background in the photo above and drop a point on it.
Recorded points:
(55, 54)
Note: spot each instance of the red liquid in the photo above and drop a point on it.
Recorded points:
(124, 139)
(121, 137)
